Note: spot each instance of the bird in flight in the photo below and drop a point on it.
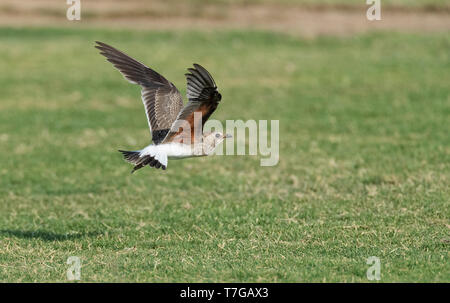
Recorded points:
(176, 130)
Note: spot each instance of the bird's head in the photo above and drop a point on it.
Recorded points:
(212, 139)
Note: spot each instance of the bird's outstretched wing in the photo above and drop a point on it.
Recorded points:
(203, 99)
(161, 98)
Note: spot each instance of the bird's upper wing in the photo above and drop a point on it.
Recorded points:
(161, 98)
(203, 99)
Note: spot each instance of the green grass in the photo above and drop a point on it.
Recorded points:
(364, 160)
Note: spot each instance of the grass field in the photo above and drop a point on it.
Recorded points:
(364, 164)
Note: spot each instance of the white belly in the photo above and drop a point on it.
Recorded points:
(172, 150)
(163, 152)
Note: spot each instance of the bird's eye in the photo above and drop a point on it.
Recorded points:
(217, 135)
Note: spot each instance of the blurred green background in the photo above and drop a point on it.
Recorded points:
(364, 109)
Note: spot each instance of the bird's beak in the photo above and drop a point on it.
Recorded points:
(227, 136)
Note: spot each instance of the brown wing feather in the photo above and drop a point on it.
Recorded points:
(203, 99)
(161, 98)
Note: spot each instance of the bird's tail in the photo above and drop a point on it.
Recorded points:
(133, 157)
(139, 162)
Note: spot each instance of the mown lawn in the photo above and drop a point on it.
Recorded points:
(364, 164)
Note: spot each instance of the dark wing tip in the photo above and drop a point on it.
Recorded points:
(108, 50)
(198, 66)
(101, 46)
(200, 83)
(204, 72)
(201, 72)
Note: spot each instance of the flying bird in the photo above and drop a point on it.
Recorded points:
(175, 128)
